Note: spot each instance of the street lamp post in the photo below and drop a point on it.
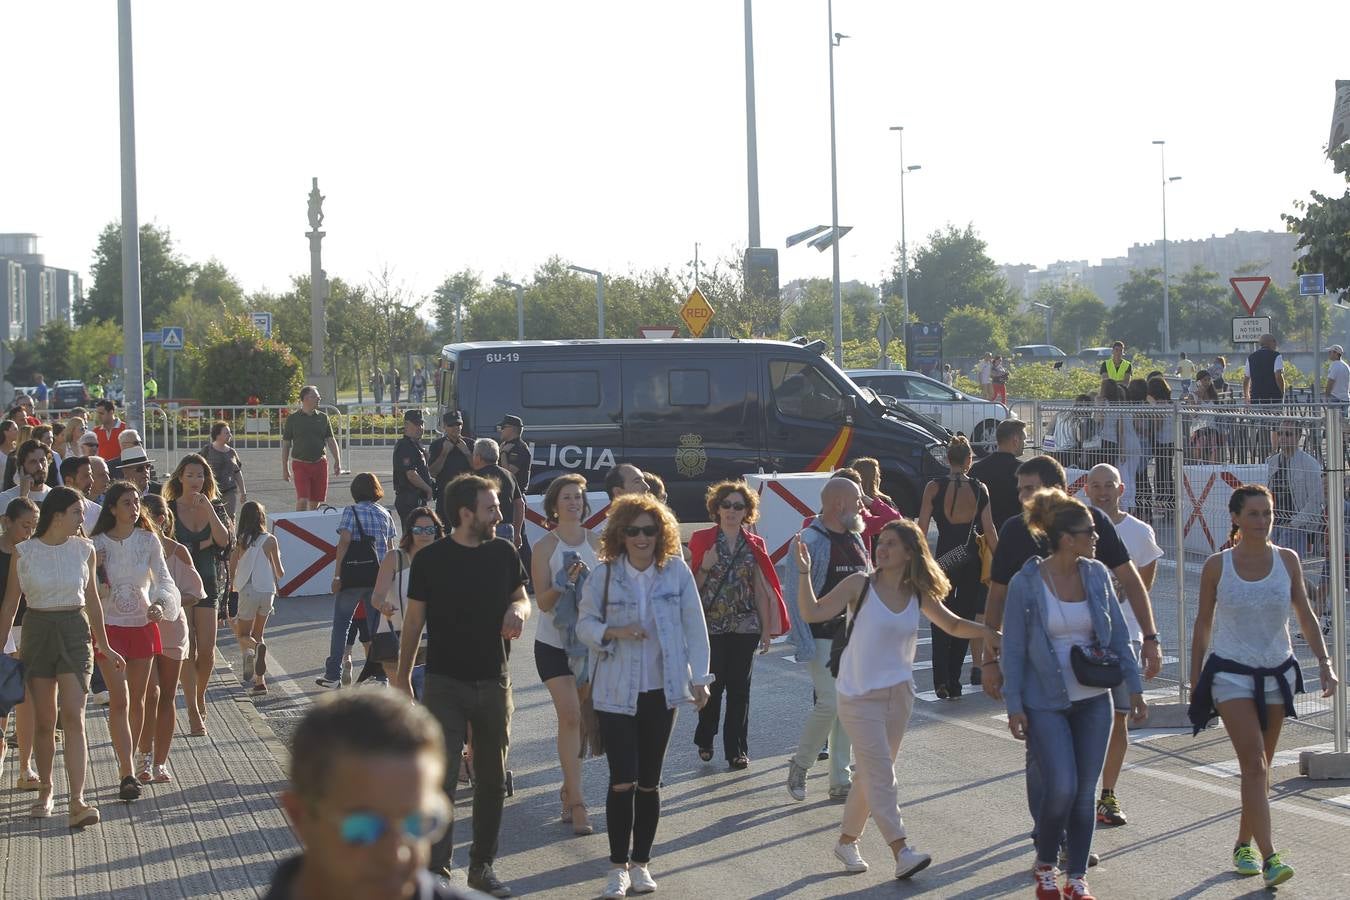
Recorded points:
(1167, 306)
(133, 380)
(520, 305)
(1049, 318)
(835, 37)
(904, 246)
(599, 295)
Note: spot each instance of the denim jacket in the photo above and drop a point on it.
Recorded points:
(566, 612)
(616, 665)
(818, 542)
(1032, 676)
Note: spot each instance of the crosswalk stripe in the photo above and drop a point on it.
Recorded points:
(1232, 769)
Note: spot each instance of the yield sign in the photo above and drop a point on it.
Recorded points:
(1250, 289)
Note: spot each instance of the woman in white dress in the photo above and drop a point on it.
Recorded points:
(55, 573)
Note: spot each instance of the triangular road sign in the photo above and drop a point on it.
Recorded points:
(1250, 289)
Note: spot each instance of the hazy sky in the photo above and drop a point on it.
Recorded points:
(494, 134)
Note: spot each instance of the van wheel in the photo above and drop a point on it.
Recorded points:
(899, 490)
(984, 436)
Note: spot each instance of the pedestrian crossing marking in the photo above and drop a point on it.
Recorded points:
(1232, 769)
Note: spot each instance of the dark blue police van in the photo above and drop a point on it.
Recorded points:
(692, 411)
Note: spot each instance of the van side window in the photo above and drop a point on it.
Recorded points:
(801, 391)
(559, 389)
(689, 387)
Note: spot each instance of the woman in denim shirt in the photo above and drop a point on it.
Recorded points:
(1054, 604)
(643, 620)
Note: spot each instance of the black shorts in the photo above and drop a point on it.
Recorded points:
(550, 662)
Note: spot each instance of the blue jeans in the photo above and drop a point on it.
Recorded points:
(1066, 749)
(348, 603)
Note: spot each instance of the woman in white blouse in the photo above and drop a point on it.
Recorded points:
(55, 572)
(138, 592)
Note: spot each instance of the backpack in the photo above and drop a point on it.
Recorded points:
(360, 565)
(838, 646)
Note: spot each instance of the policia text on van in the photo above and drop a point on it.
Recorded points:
(693, 412)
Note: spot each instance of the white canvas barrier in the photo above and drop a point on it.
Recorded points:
(308, 543)
(1205, 503)
(785, 503)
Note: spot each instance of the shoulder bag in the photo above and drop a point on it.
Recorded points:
(360, 565)
(1093, 665)
(11, 681)
(841, 637)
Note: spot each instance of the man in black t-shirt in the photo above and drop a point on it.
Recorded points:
(450, 455)
(998, 470)
(486, 454)
(468, 590)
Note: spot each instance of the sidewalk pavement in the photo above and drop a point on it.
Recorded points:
(216, 830)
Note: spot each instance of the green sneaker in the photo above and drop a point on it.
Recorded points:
(1245, 860)
(1276, 871)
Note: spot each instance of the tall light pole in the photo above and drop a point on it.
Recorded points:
(835, 37)
(133, 381)
(520, 305)
(599, 295)
(904, 247)
(751, 141)
(1167, 306)
(1049, 317)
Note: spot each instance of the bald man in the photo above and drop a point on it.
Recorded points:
(837, 550)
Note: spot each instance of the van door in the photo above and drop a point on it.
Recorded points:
(693, 420)
(571, 408)
(808, 422)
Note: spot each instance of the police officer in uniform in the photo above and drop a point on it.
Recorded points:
(516, 459)
(412, 481)
(450, 455)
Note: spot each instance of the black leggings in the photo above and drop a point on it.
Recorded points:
(636, 749)
(731, 659)
(949, 653)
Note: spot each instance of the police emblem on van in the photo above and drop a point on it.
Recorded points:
(690, 457)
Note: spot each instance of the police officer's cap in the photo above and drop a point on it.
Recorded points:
(513, 421)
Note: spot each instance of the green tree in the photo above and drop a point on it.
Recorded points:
(1323, 226)
(56, 338)
(242, 364)
(25, 360)
(953, 270)
(1080, 321)
(465, 288)
(90, 347)
(290, 316)
(1201, 307)
(973, 331)
(1138, 311)
(165, 276)
(212, 283)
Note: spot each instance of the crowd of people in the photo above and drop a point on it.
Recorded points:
(108, 571)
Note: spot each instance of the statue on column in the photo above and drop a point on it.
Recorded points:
(315, 207)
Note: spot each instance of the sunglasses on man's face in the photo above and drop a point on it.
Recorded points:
(729, 504)
(635, 530)
(362, 829)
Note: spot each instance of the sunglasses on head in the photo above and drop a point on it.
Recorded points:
(424, 529)
(732, 504)
(635, 530)
(362, 829)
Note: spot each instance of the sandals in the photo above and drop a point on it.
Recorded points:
(581, 822)
(566, 816)
(740, 762)
(42, 809)
(29, 781)
(82, 815)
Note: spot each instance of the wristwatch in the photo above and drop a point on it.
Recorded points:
(1151, 637)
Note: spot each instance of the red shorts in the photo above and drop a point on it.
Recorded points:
(137, 642)
(311, 479)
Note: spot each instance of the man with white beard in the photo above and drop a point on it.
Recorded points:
(837, 551)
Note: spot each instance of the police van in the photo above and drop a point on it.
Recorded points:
(691, 411)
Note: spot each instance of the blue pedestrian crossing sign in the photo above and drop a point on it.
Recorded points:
(172, 337)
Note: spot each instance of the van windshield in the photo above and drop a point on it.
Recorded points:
(800, 390)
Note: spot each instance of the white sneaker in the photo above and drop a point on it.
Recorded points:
(346, 671)
(850, 856)
(101, 699)
(617, 886)
(910, 861)
(641, 880)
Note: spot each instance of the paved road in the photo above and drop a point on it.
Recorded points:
(739, 835)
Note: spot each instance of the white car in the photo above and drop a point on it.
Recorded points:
(974, 417)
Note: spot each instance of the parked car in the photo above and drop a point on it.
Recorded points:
(1039, 353)
(957, 411)
(67, 395)
(692, 411)
(1093, 357)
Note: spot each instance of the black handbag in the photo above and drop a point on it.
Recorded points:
(839, 643)
(360, 566)
(1096, 666)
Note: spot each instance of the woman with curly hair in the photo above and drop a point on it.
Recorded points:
(743, 605)
(642, 618)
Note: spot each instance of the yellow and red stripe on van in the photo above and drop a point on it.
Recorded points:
(835, 453)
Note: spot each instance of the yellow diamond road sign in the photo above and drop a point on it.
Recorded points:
(697, 313)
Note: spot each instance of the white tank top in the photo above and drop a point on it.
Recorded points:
(880, 653)
(546, 632)
(1066, 624)
(1251, 618)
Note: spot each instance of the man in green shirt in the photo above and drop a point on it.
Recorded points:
(151, 386)
(303, 439)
